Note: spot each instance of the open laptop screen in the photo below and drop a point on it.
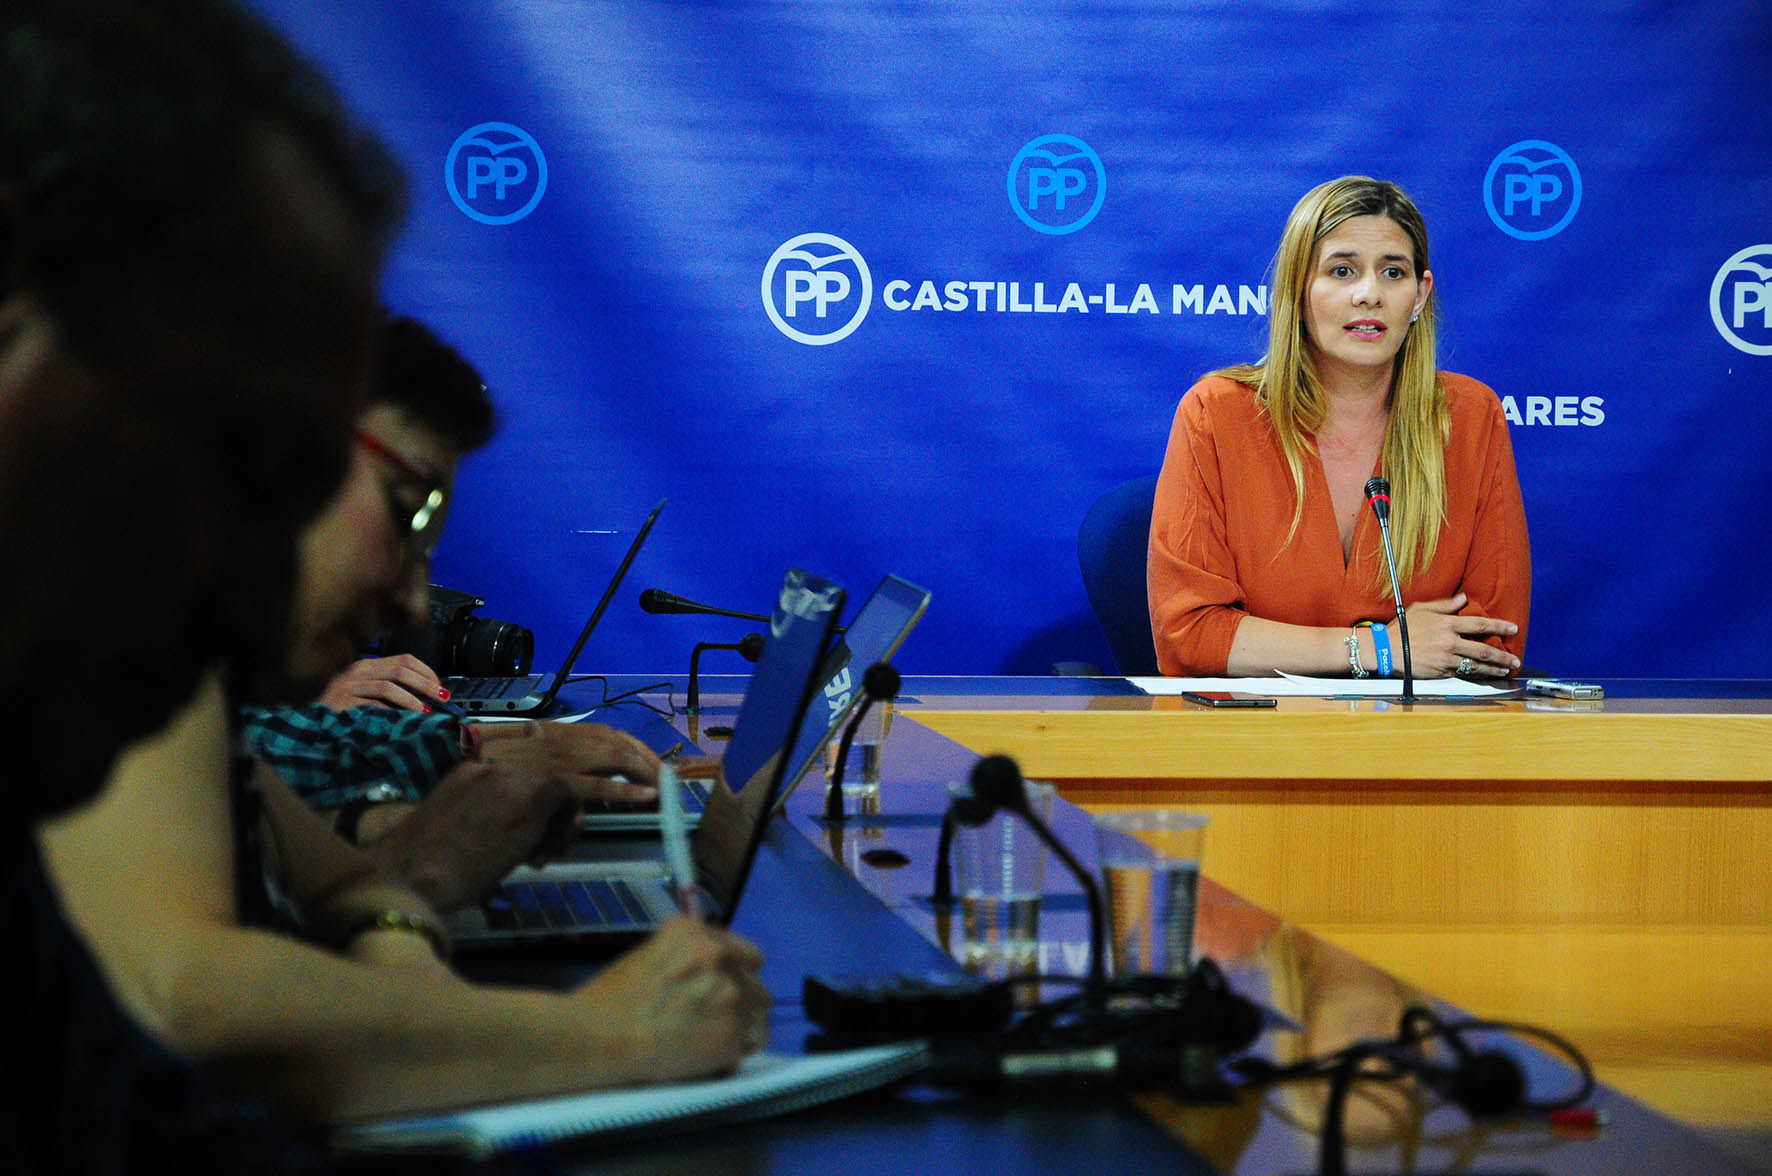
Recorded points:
(769, 719)
(875, 633)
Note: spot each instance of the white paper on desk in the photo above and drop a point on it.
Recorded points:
(1299, 686)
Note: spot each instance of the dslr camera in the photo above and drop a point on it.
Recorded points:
(457, 644)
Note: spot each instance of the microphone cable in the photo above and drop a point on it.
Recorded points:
(1486, 1083)
(630, 697)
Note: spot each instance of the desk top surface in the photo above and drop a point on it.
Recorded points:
(824, 900)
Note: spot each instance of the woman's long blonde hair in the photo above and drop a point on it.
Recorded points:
(1291, 394)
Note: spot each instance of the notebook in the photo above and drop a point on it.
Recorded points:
(614, 903)
(766, 1084)
(526, 695)
(875, 634)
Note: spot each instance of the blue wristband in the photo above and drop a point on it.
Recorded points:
(1381, 647)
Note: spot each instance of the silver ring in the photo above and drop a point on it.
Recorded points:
(1465, 665)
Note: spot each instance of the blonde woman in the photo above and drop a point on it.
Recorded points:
(1263, 553)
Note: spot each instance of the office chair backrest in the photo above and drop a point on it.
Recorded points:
(1111, 549)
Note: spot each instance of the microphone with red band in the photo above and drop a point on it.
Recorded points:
(1378, 495)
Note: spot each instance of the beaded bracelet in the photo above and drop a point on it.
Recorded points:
(1353, 653)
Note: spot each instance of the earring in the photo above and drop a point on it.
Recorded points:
(1416, 317)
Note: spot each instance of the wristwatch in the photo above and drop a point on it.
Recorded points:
(346, 822)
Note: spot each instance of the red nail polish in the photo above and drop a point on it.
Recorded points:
(427, 710)
(443, 693)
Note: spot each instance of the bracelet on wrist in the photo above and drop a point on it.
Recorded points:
(350, 816)
(1381, 646)
(1353, 653)
(473, 741)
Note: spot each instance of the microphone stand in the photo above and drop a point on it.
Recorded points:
(749, 647)
(880, 682)
(1097, 938)
(1408, 698)
(997, 784)
(1378, 495)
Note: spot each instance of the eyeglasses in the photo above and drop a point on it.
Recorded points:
(415, 503)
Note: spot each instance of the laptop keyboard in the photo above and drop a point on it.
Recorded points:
(554, 906)
(491, 687)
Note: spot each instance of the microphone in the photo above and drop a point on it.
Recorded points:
(1378, 495)
(880, 682)
(656, 600)
(997, 784)
(749, 647)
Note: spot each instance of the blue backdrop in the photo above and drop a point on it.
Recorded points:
(873, 286)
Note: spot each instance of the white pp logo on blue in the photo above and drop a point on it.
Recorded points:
(817, 288)
(496, 173)
(1056, 184)
(1741, 300)
(1532, 190)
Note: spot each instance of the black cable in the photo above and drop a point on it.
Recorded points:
(1487, 1084)
(669, 710)
(1452, 1034)
(630, 697)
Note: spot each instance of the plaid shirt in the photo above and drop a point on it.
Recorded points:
(332, 758)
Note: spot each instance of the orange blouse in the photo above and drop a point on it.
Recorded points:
(1218, 549)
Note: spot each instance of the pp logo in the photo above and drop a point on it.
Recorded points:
(817, 289)
(1532, 190)
(1741, 300)
(1056, 184)
(496, 173)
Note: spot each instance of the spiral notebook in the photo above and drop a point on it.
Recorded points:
(765, 1085)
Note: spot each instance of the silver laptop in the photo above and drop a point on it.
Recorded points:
(613, 903)
(533, 693)
(878, 629)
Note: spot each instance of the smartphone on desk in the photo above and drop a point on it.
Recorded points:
(1557, 688)
(1224, 698)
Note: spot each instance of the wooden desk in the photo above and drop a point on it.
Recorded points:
(1606, 870)
(825, 899)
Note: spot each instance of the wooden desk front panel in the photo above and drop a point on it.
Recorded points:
(1445, 814)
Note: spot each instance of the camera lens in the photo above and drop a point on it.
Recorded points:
(485, 648)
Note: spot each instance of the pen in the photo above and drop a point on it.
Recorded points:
(676, 842)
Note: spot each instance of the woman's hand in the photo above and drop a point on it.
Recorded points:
(400, 682)
(1440, 639)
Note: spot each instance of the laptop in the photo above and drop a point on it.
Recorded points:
(527, 694)
(613, 903)
(875, 634)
